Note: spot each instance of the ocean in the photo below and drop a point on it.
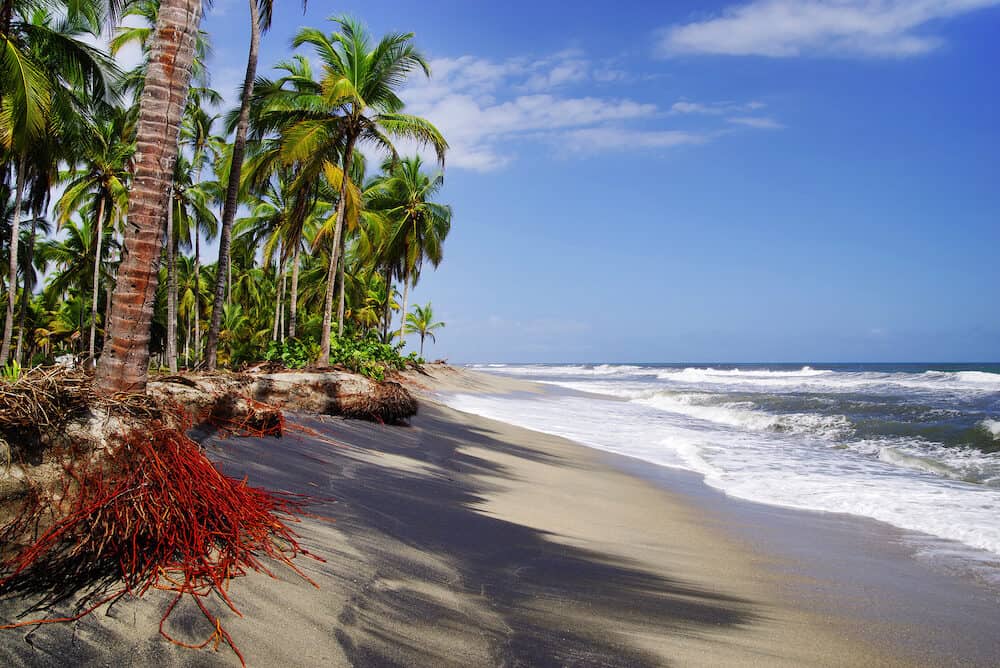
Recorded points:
(915, 446)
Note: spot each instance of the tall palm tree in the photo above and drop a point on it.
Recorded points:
(419, 225)
(102, 179)
(45, 70)
(71, 259)
(266, 172)
(261, 12)
(123, 367)
(422, 322)
(360, 106)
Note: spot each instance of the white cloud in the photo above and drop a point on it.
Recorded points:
(595, 140)
(756, 122)
(684, 107)
(785, 28)
(687, 107)
(486, 109)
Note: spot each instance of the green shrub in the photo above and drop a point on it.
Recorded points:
(11, 372)
(292, 353)
(369, 356)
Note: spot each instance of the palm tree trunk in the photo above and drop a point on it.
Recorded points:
(124, 365)
(338, 229)
(107, 311)
(281, 313)
(187, 343)
(171, 288)
(15, 229)
(232, 191)
(343, 286)
(406, 296)
(280, 284)
(421, 344)
(97, 277)
(26, 292)
(197, 294)
(293, 297)
(387, 315)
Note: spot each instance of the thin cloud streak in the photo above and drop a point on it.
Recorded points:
(842, 28)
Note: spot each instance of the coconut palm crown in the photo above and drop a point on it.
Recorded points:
(359, 104)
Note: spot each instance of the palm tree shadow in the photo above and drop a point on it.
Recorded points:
(559, 604)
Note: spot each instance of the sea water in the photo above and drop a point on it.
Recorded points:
(915, 446)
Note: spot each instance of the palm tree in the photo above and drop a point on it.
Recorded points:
(422, 322)
(45, 71)
(261, 12)
(267, 173)
(419, 224)
(107, 159)
(360, 105)
(28, 262)
(123, 367)
(206, 149)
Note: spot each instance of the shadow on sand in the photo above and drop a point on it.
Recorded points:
(532, 600)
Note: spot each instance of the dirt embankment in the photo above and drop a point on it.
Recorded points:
(49, 414)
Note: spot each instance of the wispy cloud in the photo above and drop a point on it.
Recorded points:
(594, 140)
(757, 122)
(785, 28)
(486, 109)
(687, 107)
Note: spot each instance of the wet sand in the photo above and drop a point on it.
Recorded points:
(461, 541)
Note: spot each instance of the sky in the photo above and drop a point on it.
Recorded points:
(762, 180)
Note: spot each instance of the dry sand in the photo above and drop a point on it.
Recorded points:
(460, 541)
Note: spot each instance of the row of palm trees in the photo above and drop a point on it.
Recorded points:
(311, 236)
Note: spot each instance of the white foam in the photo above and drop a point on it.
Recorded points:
(820, 380)
(899, 482)
(743, 415)
(992, 427)
(958, 463)
(569, 370)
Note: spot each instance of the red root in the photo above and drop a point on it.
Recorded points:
(155, 513)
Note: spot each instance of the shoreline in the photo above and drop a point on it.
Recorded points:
(459, 540)
(842, 564)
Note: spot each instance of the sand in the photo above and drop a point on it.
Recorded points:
(459, 541)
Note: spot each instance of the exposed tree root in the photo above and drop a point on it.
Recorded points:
(145, 509)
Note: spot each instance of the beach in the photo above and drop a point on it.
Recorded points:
(459, 540)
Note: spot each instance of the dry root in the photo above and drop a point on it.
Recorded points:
(389, 403)
(153, 512)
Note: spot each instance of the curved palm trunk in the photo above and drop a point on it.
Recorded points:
(338, 229)
(293, 297)
(25, 293)
(171, 287)
(15, 227)
(232, 191)
(97, 277)
(124, 365)
(343, 287)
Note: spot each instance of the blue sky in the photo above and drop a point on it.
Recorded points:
(694, 181)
